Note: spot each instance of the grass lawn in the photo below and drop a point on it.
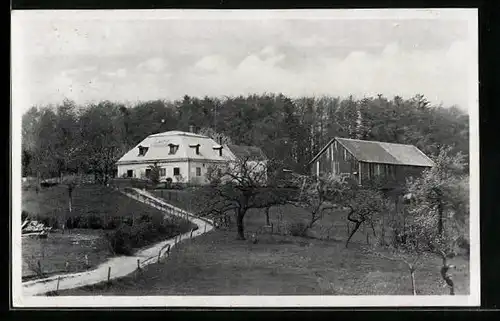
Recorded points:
(87, 199)
(71, 247)
(218, 264)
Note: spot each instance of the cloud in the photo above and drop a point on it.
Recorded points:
(120, 59)
(119, 73)
(212, 63)
(153, 65)
(312, 41)
(438, 74)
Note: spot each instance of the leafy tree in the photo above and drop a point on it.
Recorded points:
(102, 133)
(220, 138)
(438, 187)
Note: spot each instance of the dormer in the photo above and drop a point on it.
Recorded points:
(173, 148)
(196, 148)
(218, 148)
(142, 150)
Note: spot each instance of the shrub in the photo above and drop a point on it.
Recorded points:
(120, 240)
(298, 229)
(112, 223)
(95, 222)
(168, 182)
(126, 238)
(145, 218)
(48, 184)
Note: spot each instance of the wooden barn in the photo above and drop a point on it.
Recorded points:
(366, 159)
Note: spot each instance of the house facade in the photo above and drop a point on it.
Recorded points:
(185, 157)
(365, 160)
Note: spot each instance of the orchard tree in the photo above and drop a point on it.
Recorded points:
(439, 187)
(317, 195)
(71, 183)
(238, 187)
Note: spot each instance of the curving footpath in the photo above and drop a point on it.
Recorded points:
(123, 265)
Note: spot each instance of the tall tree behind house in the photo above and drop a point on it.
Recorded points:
(292, 130)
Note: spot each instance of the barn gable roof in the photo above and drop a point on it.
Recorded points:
(382, 152)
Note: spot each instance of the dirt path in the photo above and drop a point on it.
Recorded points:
(122, 265)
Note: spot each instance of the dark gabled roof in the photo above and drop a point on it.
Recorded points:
(248, 152)
(382, 153)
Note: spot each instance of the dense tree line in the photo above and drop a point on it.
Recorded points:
(68, 138)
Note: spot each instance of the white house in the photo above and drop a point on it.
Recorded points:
(182, 156)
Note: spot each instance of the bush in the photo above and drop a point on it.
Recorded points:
(126, 238)
(120, 240)
(95, 222)
(112, 223)
(48, 184)
(298, 229)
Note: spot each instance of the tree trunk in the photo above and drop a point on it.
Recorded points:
(239, 224)
(356, 227)
(268, 222)
(37, 181)
(446, 276)
(440, 218)
(413, 287)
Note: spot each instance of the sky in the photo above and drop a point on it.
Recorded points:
(124, 56)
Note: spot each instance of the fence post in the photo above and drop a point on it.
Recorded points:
(168, 250)
(205, 228)
(159, 254)
(191, 235)
(58, 280)
(138, 264)
(39, 267)
(109, 273)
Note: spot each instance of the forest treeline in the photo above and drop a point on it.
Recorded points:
(68, 138)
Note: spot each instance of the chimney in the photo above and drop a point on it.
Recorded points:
(191, 129)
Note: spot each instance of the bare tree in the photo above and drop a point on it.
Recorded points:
(71, 183)
(317, 195)
(237, 187)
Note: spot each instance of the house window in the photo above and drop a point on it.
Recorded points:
(198, 171)
(130, 173)
(163, 172)
(173, 149)
(142, 150)
(196, 148)
(177, 171)
(219, 148)
(148, 172)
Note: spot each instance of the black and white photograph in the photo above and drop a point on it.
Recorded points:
(245, 158)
